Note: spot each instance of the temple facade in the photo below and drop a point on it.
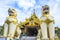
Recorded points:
(31, 25)
(42, 29)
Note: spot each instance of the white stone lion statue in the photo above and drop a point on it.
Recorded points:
(11, 25)
(47, 25)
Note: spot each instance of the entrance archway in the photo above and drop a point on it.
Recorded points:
(32, 31)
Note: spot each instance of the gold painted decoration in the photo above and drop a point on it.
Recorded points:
(32, 21)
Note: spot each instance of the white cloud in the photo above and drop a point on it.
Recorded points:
(4, 10)
(26, 3)
(4, 5)
(3, 15)
(57, 0)
(55, 10)
(21, 15)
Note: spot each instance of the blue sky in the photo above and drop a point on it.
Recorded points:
(25, 8)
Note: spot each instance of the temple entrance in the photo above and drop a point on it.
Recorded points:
(31, 25)
(32, 31)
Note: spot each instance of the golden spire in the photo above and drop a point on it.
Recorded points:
(34, 14)
(33, 11)
(32, 21)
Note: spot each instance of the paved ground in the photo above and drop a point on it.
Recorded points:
(27, 38)
(2, 38)
(23, 38)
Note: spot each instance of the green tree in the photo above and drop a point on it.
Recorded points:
(1, 30)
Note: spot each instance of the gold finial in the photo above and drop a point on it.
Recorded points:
(33, 12)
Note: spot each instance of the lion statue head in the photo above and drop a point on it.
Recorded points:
(45, 10)
(12, 12)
